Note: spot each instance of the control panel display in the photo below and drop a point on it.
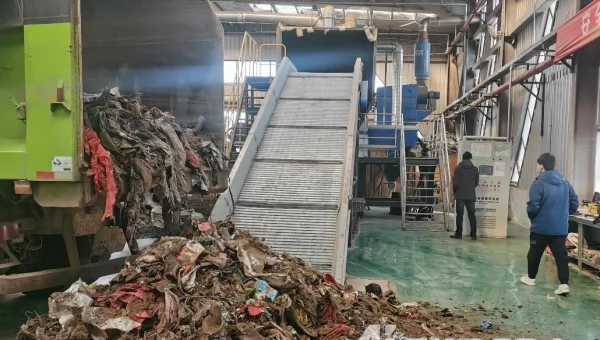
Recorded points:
(486, 170)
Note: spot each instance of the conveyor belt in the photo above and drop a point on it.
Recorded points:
(292, 181)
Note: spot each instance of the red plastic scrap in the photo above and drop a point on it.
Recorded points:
(125, 295)
(251, 309)
(192, 159)
(338, 331)
(330, 280)
(204, 227)
(102, 168)
(141, 316)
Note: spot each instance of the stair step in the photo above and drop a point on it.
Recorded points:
(252, 110)
(422, 161)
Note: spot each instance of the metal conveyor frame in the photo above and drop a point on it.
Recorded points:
(226, 203)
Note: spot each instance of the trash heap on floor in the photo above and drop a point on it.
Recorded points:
(220, 282)
(141, 159)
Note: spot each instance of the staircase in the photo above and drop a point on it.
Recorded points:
(422, 198)
(253, 94)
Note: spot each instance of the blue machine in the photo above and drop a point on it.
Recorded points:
(417, 102)
(415, 99)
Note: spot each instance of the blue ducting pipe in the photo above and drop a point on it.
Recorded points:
(422, 54)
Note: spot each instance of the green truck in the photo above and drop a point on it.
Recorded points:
(51, 51)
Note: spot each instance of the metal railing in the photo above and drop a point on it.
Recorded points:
(379, 120)
(403, 170)
(246, 65)
(436, 137)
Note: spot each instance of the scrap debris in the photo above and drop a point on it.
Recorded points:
(223, 283)
(140, 158)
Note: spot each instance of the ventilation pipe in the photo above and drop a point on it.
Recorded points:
(349, 21)
(397, 72)
(296, 20)
(397, 65)
(371, 33)
(328, 16)
(422, 54)
(314, 20)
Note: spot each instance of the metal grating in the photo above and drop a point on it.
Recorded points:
(295, 183)
(291, 195)
(303, 144)
(306, 233)
(311, 113)
(324, 88)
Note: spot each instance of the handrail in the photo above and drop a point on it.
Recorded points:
(249, 53)
(403, 179)
(272, 45)
(447, 177)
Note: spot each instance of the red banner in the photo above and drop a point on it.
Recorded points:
(579, 31)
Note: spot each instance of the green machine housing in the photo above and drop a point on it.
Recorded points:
(51, 51)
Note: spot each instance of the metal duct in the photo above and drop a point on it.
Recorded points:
(422, 53)
(349, 21)
(397, 65)
(314, 20)
(301, 20)
(328, 16)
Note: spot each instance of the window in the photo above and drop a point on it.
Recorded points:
(286, 9)
(378, 83)
(487, 111)
(531, 104)
(261, 8)
(257, 69)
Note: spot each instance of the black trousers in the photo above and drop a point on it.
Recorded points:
(460, 210)
(537, 245)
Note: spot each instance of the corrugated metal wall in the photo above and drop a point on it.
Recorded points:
(518, 10)
(565, 11)
(556, 125)
(233, 42)
(438, 78)
(558, 115)
(552, 130)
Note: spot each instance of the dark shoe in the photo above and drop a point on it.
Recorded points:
(474, 238)
(458, 237)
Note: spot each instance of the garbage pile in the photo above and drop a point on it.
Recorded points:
(140, 159)
(220, 282)
(452, 143)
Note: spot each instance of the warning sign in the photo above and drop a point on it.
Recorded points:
(62, 164)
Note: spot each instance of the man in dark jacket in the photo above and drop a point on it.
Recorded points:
(551, 200)
(466, 179)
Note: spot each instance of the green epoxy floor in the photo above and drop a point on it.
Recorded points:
(429, 266)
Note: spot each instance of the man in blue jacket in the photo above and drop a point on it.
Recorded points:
(551, 200)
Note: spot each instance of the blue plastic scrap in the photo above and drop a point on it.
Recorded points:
(486, 324)
(264, 289)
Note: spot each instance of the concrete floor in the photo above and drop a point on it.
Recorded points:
(429, 266)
